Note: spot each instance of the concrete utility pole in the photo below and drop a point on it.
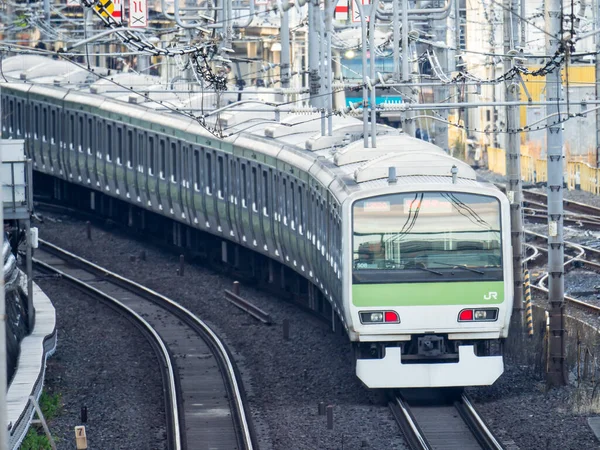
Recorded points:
(554, 136)
(313, 56)
(3, 368)
(514, 189)
(285, 50)
(597, 86)
(441, 93)
(409, 124)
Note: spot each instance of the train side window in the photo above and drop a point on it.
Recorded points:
(11, 120)
(44, 124)
(244, 186)
(284, 197)
(174, 162)
(109, 144)
(208, 172)
(71, 131)
(221, 190)
(163, 159)
(130, 142)
(120, 148)
(151, 155)
(140, 152)
(265, 193)
(53, 124)
(293, 215)
(233, 180)
(300, 210)
(254, 190)
(197, 170)
(90, 130)
(185, 167)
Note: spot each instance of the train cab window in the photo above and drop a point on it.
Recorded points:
(244, 186)
(197, 170)
(163, 158)
(151, 155)
(265, 193)
(221, 190)
(109, 146)
(174, 174)
(208, 172)
(254, 190)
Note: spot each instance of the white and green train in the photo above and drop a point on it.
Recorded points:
(410, 249)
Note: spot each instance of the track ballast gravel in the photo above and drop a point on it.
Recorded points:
(104, 363)
(285, 380)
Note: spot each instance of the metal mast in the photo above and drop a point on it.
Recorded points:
(556, 366)
(514, 188)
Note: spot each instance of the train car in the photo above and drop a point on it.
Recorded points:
(411, 250)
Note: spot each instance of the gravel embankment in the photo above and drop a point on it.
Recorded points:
(104, 363)
(285, 380)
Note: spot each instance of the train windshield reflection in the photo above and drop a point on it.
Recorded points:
(435, 231)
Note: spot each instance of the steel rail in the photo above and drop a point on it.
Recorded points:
(411, 430)
(164, 352)
(477, 425)
(185, 315)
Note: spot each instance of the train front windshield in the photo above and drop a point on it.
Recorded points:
(426, 235)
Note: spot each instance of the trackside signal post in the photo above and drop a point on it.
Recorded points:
(556, 340)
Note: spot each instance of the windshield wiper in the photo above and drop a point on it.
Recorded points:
(461, 266)
(426, 270)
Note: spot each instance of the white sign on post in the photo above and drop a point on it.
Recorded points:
(356, 10)
(138, 14)
(118, 11)
(341, 10)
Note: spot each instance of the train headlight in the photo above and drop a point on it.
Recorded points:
(478, 315)
(368, 317)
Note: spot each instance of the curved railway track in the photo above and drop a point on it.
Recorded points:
(575, 255)
(204, 399)
(445, 423)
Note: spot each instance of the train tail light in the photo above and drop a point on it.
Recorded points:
(369, 317)
(478, 315)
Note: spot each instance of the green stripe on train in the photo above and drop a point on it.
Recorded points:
(427, 294)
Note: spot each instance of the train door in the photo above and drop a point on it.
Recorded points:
(186, 177)
(161, 180)
(196, 187)
(172, 175)
(233, 198)
(120, 161)
(210, 188)
(277, 215)
(140, 168)
(224, 194)
(87, 149)
(246, 203)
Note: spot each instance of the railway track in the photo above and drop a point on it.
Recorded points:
(204, 399)
(448, 421)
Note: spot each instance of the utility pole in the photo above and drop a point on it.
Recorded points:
(313, 55)
(556, 364)
(514, 190)
(285, 50)
(409, 125)
(597, 85)
(441, 93)
(3, 316)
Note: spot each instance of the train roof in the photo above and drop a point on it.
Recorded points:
(259, 119)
